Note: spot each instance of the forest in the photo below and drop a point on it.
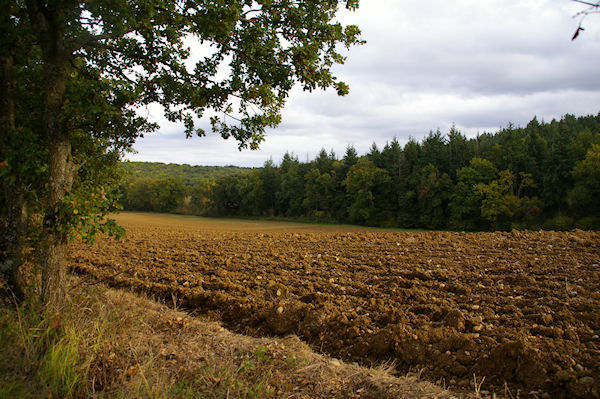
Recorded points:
(189, 175)
(543, 175)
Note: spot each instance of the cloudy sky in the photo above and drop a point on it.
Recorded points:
(477, 64)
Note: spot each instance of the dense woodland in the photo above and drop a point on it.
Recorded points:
(188, 175)
(543, 175)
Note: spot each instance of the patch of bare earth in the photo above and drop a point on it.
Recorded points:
(518, 308)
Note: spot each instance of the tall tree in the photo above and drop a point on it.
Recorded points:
(324, 161)
(318, 193)
(557, 177)
(537, 152)
(433, 193)
(465, 203)
(291, 188)
(584, 196)
(270, 182)
(367, 187)
(349, 160)
(435, 151)
(134, 53)
(254, 200)
(460, 151)
(374, 155)
(392, 158)
(407, 213)
(500, 205)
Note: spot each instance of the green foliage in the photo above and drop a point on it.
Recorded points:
(465, 204)
(74, 73)
(318, 193)
(155, 195)
(267, 49)
(499, 205)
(270, 181)
(433, 192)
(366, 186)
(252, 193)
(290, 194)
(436, 152)
(559, 223)
(586, 191)
(443, 182)
(187, 174)
(460, 151)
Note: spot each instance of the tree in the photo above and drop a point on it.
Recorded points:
(460, 151)
(435, 151)
(94, 144)
(350, 159)
(341, 169)
(270, 183)
(537, 150)
(465, 204)
(318, 192)
(201, 198)
(367, 186)
(509, 151)
(433, 193)
(253, 193)
(155, 195)
(392, 158)
(291, 188)
(324, 161)
(584, 196)
(226, 197)
(561, 158)
(114, 57)
(503, 204)
(413, 158)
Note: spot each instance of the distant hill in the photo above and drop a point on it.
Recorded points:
(187, 174)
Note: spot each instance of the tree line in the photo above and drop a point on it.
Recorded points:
(543, 175)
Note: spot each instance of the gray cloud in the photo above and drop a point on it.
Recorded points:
(476, 64)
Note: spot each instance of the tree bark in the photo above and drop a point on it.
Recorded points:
(49, 30)
(54, 240)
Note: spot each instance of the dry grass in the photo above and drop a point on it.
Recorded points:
(199, 223)
(114, 344)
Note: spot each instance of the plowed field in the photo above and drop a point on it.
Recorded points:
(520, 307)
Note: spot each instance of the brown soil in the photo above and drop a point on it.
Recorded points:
(519, 307)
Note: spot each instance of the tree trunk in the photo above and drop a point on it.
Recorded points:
(54, 240)
(48, 25)
(14, 192)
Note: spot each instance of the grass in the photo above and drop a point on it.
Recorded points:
(114, 344)
(42, 354)
(247, 223)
